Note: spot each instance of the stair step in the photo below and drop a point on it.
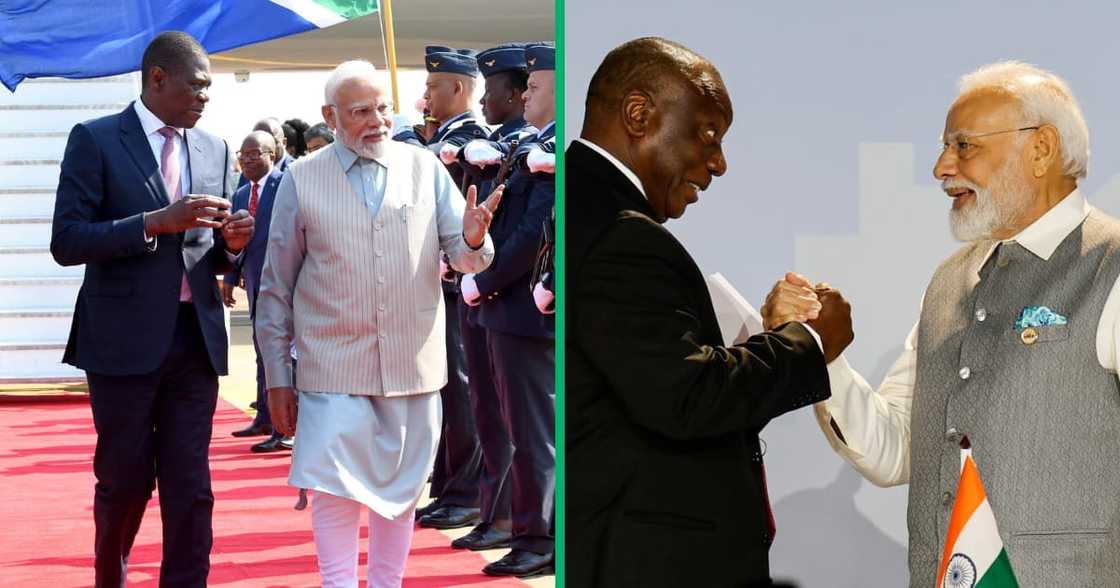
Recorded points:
(35, 361)
(29, 325)
(26, 202)
(51, 117)
(48, 345)
(16, 190)
(36, 312)
(35, 135)
(25, 231)
(32, 172)
(32, 262)
(25, 220)
(39, 293)
(21, 107)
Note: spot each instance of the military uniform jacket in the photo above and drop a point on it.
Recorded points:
(507, 302)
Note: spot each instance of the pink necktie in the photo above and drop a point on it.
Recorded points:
(169, 168)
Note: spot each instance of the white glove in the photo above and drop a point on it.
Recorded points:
(480, 153)
(544, 299)
(469, 290)
(449, 154)
(541, 161)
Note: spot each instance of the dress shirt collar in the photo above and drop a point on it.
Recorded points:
(451, 120)
(509, 127)
(1044, 235)
(348, 158)
(546, 129)
(149, 121)
(614, 161)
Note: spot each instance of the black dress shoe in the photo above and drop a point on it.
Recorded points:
(483, 536)
(522, 564)
(287, 442)
(273, 443)
(254, 431)
(253, 405)
(450, 517)
(424, 510)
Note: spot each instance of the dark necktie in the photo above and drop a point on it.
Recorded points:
(253, 200)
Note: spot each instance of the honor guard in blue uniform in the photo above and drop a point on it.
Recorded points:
(506, 78)
(452, 76)
(520, 343)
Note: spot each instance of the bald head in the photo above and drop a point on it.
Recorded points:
(654, 66)
(661, 110)
(256, 153)
(274, 127)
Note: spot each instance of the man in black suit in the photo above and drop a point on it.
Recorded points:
(256, 196)
(142, 202)
(664, 464)
(281, 159)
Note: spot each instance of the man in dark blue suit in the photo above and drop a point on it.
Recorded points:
(281, 159)
(520, 341)
(256, 197)
(142, 203)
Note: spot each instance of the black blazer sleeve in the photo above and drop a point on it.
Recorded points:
(641, 321)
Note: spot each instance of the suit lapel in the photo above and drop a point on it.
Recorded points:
(137, 146)
(195, 157)
(264, 205)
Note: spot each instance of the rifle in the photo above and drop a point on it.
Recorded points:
(507, 163)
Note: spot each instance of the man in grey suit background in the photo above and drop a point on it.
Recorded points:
(1016, 348)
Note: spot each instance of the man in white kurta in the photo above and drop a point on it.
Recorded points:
(352, 276)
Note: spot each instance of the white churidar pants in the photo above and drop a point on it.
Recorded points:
(335, 522)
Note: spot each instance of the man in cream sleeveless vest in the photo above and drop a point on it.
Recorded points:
(1016, 347)
(352, 276)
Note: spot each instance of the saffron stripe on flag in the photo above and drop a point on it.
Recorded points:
(970, 493)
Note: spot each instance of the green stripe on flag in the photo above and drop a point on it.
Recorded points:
(999, 574)
(349, 9)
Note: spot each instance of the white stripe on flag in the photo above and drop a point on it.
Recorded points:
(979, 539)
(312, 12)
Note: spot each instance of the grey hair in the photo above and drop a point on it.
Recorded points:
(1044, 98)
(348, 70)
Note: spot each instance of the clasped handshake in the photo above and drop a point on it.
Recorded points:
(822, 307)
(202, 211)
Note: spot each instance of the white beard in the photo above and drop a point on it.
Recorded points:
(363, 149)
(990, 213)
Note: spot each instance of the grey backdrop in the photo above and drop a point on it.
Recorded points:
(838, 109)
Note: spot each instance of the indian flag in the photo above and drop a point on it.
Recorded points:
(974, 555)
(44, 38)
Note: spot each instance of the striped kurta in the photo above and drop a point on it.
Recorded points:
(357, 289)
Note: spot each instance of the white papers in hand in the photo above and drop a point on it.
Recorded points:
(737, 318)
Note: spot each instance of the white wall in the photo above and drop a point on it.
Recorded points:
(838, 109)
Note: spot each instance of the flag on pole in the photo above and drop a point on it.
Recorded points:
(974, 555)
(95, 38)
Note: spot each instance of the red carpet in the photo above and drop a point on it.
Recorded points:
(46, 523)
